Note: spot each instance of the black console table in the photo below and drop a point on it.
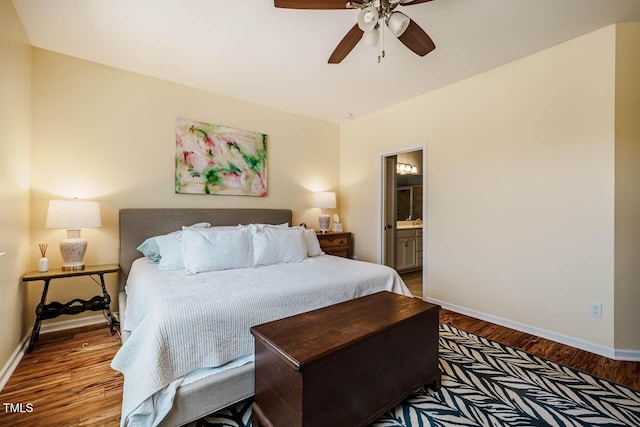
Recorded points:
(75, 306)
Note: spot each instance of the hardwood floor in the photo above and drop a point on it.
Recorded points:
(68, 385)
(413, 281)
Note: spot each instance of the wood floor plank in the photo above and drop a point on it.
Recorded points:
(36, 384)
(74, 386)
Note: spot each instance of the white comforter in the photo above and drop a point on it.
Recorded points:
(180, 322)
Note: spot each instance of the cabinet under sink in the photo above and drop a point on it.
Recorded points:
(408, 247)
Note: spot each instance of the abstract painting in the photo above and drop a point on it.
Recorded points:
(213, 159)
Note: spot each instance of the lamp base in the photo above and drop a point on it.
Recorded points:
(324, 220)
(73, 267)
(72, 251)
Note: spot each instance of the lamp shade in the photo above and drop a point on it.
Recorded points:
(324, 199)
(368, 18)
(73, 214)
(398, 23)
(371, 37)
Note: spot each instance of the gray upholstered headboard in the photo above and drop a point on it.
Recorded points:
(137, 225)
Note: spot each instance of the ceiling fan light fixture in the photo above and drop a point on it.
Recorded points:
(372, 36)
(368, 18)
(398, 23)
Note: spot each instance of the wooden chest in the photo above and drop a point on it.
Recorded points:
(346, 364)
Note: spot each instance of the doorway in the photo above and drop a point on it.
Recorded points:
(402, 222)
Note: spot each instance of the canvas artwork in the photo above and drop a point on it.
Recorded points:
(213, 159)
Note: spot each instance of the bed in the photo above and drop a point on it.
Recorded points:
(204, 393)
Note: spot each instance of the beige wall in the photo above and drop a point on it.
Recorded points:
(627, 187)
(15, 148)
(520, 186)
(104, 134)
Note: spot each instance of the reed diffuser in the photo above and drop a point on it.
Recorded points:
(43, 264)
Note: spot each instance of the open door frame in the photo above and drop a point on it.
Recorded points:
(382, 204)
(390, 208)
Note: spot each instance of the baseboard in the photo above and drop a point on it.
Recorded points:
(630, 355)
(14, 360)
(21, 350)
(611, 353)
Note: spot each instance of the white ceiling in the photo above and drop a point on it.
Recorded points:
(250, 50)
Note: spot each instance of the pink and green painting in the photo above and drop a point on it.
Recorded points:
(213, 159)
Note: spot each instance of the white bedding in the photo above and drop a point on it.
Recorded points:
(180, 323)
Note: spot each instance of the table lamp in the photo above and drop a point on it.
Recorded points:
(73, 215)
(324, 200)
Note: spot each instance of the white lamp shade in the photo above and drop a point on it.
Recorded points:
(324, 199)
(73, 214)
(368, 18)
(371, 37)
(398, 23)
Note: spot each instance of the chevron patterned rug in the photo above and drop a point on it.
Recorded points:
(485, 383)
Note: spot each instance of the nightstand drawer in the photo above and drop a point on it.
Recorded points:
(341, 252)
(333, 242)
(336, 243)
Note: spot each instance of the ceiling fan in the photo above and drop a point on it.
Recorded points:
(372, 14)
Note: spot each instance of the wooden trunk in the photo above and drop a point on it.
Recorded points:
(346, 364)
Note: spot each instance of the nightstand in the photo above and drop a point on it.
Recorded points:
(336, 243)
(54, 309)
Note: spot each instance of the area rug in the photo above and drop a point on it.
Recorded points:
(485, 383)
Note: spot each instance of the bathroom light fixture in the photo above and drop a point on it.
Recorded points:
(73, 215)
(406, 169)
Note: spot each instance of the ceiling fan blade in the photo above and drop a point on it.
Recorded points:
(346, 45)
(417, 40)
(311, 4)
(410, 3)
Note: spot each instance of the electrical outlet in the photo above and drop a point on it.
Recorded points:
(595, 309)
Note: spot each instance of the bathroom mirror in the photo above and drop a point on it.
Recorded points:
(409, 203)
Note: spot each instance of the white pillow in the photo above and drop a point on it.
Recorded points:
(216, 249)
(150, 247)
(260, 225)
(313, 245)
(170, 250)
(170, 245)
(276, 245)
(197, 225)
